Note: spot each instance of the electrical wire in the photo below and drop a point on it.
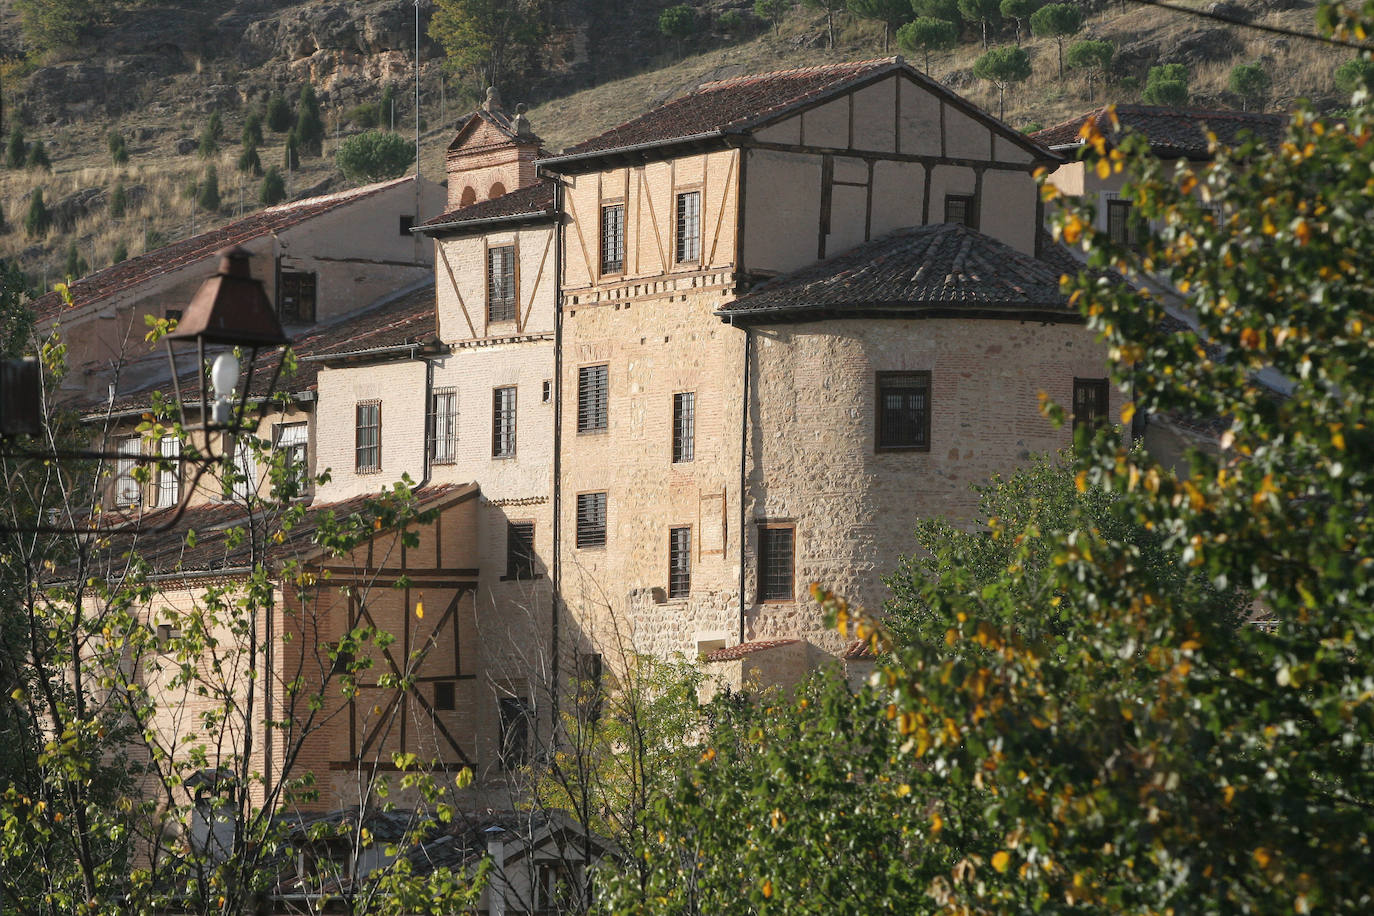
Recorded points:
(1257, 26)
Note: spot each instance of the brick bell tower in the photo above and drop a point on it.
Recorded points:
(492, 154)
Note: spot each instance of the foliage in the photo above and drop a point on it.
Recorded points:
(891, 13)
(56, 25)
(483, 38)
(252, 130)
(678, 23)
(214, 126)
(16, 150)
(1019, 11)
(987, 13)
(273, 188)
(75, 265)
(947, 10)
(291, 157)
(120, 253)
(830, 8)
(1094, 58)
(279, 115)
(367, 115)
(1251, 82)
(119, 201)
(731, 22)
(119, 153)
(772, 11)
(38, 219)
(208, 144)
(925, 34)
(38, 157)
(1166, 84)
(1002, 67)
(309, 124)
(249, 162)
(1356, 73)
(207, 190)
(386, 108)
(1057, 21)
(375, 155)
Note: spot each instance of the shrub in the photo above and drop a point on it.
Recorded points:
(1251, 82)
(273, 189)
(75, 265)
(208, 144)
(678, 22)
(309, 125)
(252, 129)
(1166, 84)
(279, 116)
(215, 126)
(119, 201)
(38, 157)
(39, 219)
(121, 252)
(249, 161)
(1356, 73)
(119, 153)
(926, 34)
(207, 192)
(375, 155)
(16, 150)
(731, 21)
(365, 116)
(291, 157)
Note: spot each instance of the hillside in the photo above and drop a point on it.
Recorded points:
(159, 73)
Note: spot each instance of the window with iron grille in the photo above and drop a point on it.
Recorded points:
(959, 209)
(679, 562)
(297, 296)
(128, 492)
(443, 425)
(169, 475)
(903, 411)
(684, 426)
(1123, 226)
(503, 422)
(589, 690)
(367, 437)
(520, 550)
(444, 696)
(245, 472)
(593, 399)
(294, 440)
(689, 226)
(612, 238)
(591, 520)
(501, 283)
(775, 562)
(517, 719)
(1090, 400)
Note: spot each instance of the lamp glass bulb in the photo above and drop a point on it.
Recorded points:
(224, 374)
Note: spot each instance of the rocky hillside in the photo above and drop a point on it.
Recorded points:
(157, 74)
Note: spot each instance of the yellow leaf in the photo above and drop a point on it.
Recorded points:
(420, 608)
(1127, 413)
(1000, 860)
(1263, 856)
(937, 823)
(767, 888)
(903, 790)
(1104, 169)
(1227, 794)
(1080, 480)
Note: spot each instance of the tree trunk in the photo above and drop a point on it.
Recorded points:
(830, 26)
(927, 61)
(985, 35)
(1059, 42)
(1001, 101)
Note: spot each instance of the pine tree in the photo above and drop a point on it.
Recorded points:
(39, 218)
(291, 157)
(207, 195)
(119, 201)
(16, 151)
(38, 157)
(279, 117)
(76, 265)
(252, 129)
(273, 190)
(119, 153)
(249, 162)
(309, 125)
(121, 252)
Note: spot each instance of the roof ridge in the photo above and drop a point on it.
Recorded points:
(773, 74)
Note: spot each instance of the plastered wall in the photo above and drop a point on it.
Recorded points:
(461, 284)
(399, 388)
(811, 453)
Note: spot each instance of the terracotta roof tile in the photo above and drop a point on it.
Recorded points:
(744, 649)
(1172, 132)
(942, 268)
(126, 274)
(535, 198)
(858, 651)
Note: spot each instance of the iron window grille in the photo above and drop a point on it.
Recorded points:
(501, 283)
(503, 422)
(903, 411)
(959, 209)
(591, 520)
(443, 425)
(169, 477)
(776, 547)
(128, 491)
(1123, 226)
(612, 238)
(520, 550)
(593, 399)
(684, 426)
(298, 292)
(245, 473)
(367, 438)
(1090, 403)
(679, 562)
(688, 226)
(294, 440)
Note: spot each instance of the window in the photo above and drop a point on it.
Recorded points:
(589, 691)
(297, 296)
(407, 221)
(679, 562)
(444, 696)
(501, 283)
(503, 422)
(443, 425)
(557, 889)
(368, 437)
(293, 440)
(592, 399)
(516, 719)
(959, 209)
(1090, 400)
(169, 476)
(520, 550)
(245, 472)
(613, 238)
(775, 562)
(127, 489)
(1122, 226)
(172, 314)
(689, 226)
(548, 391)
(591, 520)
(684, 426)
(903, 411)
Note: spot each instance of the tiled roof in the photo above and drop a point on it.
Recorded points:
(401, 319)
(860, 650)
(535, 198)
(1179, 132)
(942, 269)
(125, 274)
(739, 104)
(167, 553)
(744, 649)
